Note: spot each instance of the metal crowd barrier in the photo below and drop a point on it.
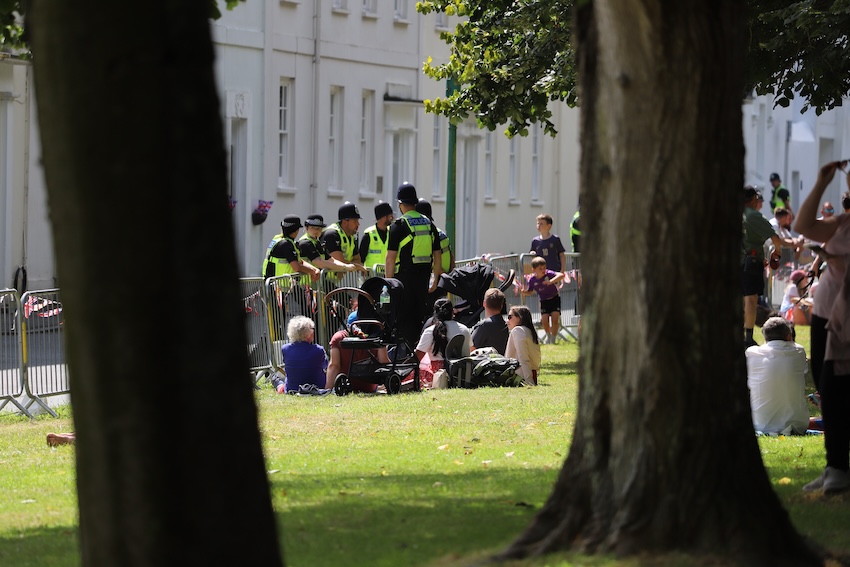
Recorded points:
(777, 280)
(11, 351)
(41, 331)
(256, 326)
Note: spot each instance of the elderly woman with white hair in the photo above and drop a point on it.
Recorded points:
(303, 362)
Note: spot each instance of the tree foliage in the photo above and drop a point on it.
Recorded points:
(511, 57)
(11, 32)
(800, 48)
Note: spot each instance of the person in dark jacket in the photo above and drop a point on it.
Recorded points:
(492, 331)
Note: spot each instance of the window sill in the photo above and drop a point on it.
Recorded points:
(490, 201)
(335, 192)
(286, 190)
(370, 15)
(537, 203)
(341, 11)
(514, 202)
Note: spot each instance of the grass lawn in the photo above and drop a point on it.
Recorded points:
(443, 477)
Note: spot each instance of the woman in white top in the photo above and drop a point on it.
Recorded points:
(523, 343)
(435, 338)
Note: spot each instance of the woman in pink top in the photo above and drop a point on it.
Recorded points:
(830, 348)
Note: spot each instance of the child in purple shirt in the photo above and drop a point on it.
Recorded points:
(544, 282)
(549, 246)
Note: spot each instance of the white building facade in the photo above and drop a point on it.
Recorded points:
(794, 145)
(322, 104)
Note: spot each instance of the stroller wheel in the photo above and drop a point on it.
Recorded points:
(342, 385)
(393, 383)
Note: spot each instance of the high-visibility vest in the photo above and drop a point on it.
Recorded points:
(420, 234)
(445, 250)
(320, 246)
(281, 266)
(346, 243)
(377, 247)
(573, 230)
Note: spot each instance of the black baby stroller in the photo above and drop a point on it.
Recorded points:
(375, 327)
(470, 283)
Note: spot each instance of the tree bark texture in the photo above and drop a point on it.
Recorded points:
(170, 468)
(663, 456)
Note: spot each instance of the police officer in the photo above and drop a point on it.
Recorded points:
(373, 247)
(413, 252)
(423, 207)
(340, 238)
(283, 256)
(312, 248)
(575, 232)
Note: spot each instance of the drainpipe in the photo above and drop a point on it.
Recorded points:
(314, 162)
(451, 181)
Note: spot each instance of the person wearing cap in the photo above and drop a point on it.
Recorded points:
(447, 256)
(423, 207)
(797, 301)
(756, 230)
(313, 249)
(283, 256)
(413, 253)
(340, 238)
(373, 247)
(779, 195)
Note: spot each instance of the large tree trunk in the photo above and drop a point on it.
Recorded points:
(663, 456)
(170, 467)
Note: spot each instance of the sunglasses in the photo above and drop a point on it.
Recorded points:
(829, 210)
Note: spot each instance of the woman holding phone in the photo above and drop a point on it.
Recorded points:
(830, 330)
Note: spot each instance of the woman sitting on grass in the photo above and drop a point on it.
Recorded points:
(523, 343)
(435, 338)
(303, 361)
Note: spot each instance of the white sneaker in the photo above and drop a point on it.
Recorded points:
(831, 480)
(835, 480)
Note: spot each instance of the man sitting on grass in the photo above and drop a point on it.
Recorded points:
(776, 377)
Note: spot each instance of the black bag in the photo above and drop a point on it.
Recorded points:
(484, 370)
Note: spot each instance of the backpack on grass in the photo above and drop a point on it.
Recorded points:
(484, 370)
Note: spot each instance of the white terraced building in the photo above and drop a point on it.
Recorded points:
(322, 104)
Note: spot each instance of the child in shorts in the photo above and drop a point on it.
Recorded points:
(544, 282)
(548, 245)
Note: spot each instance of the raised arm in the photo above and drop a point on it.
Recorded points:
(806, 222)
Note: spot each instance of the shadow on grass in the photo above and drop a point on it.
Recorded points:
(405, 519)
(561, 368)
(41, 546)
